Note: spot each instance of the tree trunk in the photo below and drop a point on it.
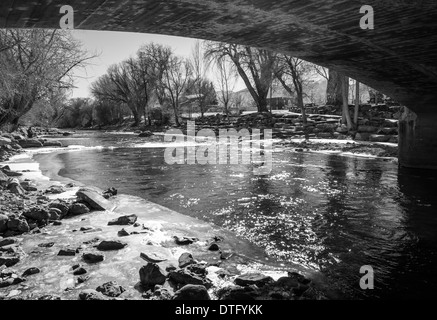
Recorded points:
(357, 103)
(176, 119)
(334, 89)
(262, 103)
(304, 115)
(345, 93)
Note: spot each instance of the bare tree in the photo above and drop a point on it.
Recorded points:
(294, 74)
(35, 63)
(255, 66)
(357, 103)
(175, 79)
(199, 69)
(227, 81)
(159, 57)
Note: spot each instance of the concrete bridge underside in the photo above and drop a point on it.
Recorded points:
(398, 57)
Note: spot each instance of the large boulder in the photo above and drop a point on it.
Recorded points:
(55, 189)
(37, 214)
(152, 274)
(192, 292)
(186, 259)
(257, 279)
(109, 245)
(94, 199)
(186, 277)
(30, 143)
(78, 209)
(111, 289)
(18, 224)
(63, 207)
(93, 257)
(90, 294)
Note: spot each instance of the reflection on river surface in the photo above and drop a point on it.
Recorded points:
(326, 212)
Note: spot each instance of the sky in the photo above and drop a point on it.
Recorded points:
(115, 47)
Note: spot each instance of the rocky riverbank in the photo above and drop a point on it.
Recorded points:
(62, 241)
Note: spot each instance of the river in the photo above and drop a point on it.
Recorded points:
(331, 214)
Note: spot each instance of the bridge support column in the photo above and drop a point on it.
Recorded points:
(418, 140)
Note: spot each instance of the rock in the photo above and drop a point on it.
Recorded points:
(123, 220)
(55, 190)
(46, 245)
(49, 297)
(186, 277)
(362, 136)
(394, 139)
(287, 282)
(298, 277)
(18, 224)
(3, 223)
(31, 271)
(37, 214)
(10, 173)
(110, 193)
(214, 247)
(192, 292)
(111, 289)
(152, 274)
(123, 233)
(236, 293)
(379, 138)
(79, 271)
(184, 240)
(67, 252)
(198, 269)
(367, 129)
(11, 281)
(47, 143)
(15, 187)
(153, 257)
(94, 199)
(9, 260)
(109, 245)
(78, 209)
(90, 294)
(55, 214)
(342, 129)
(30, 143)
(28, 186)
(145, 134)
(93, 257)
(3, 179)
(60, 206)
(185, 260)
(252, 279)
(83, 279)
(7, 242)
(5, 141)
